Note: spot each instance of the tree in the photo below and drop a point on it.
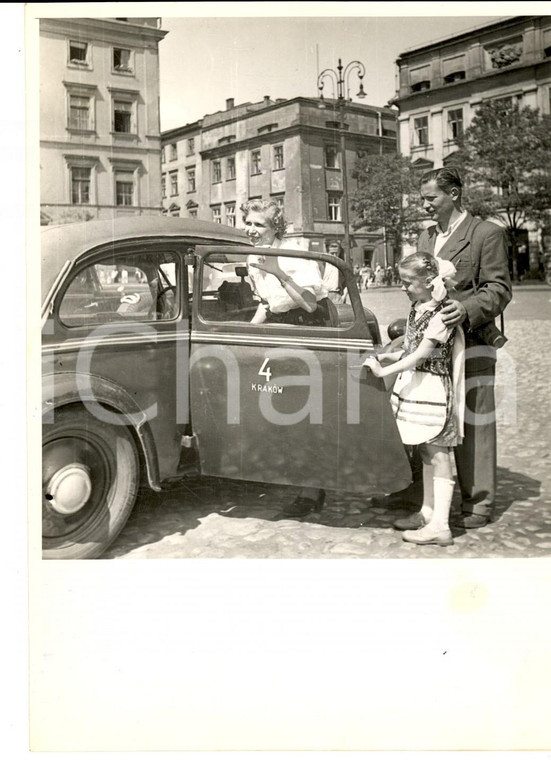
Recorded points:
(506, 157)
(387, 196)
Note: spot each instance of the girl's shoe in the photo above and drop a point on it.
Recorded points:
(427, 535)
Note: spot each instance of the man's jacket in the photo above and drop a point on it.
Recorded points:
(478, 251)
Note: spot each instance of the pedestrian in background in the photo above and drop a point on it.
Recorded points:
(365, 273)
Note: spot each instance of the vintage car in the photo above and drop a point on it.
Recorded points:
(152, 370)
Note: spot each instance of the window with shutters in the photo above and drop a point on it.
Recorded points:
(124, 188)
(255, 162)
(421, 130)
(123, 60)
(79, 112)
(455, 124)
(216, 171)
(173, 183)
(230, 168)
(453, 69)
(420, 78)
(334, 207)
(122, 116)
(80, 185)
(230, 214)
(79, 54)
(279, 162)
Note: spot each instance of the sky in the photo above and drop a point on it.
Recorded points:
(205, 60)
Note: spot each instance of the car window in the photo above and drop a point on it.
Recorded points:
(125, 287)
(238, 288)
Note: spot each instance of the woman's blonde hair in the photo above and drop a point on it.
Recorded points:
(271, 210)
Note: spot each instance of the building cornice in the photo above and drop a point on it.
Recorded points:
(237, 114)
(256, 141)
(476, 31)
(171, 134)
(104, 148)
(350, 107)
(455, 88)
(98, 27)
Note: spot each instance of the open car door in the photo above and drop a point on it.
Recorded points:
(286, 403)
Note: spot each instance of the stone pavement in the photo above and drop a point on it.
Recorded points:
(210, 518)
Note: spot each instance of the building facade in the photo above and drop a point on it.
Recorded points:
(100, 140)
(284, 150)
(442, 83)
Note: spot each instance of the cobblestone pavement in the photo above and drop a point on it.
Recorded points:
(211, 518)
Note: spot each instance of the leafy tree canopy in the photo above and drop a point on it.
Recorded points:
(506, 157)
(387, 195)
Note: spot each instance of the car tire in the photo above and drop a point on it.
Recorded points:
(90, 478)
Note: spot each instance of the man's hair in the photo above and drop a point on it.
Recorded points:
(272, 212)
(446, 178)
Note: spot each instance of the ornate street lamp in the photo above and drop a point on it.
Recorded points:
(340, 77)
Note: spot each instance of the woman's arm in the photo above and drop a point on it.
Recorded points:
(303, 297)
(260, 314)
(424, 350)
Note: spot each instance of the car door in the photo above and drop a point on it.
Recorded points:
(121, 317)
(286, 403)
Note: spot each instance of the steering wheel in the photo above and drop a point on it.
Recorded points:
(164, 304)
(164, 290)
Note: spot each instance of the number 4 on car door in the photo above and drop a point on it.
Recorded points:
(280, 403)
(265, 370)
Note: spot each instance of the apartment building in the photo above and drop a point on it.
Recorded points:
(285, 150)
(442, 83)
(100, 139)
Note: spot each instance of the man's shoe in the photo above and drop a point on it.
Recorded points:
(303, 505)
(469, 520)
(414, 521)
(426, 536)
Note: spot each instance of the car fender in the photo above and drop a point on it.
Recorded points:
(63, 388)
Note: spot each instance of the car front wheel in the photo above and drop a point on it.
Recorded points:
(90, 477)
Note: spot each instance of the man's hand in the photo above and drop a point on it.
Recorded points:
(453, 313)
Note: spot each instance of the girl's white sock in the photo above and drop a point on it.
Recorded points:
(443, 494)
(427, 512)
(428, 493)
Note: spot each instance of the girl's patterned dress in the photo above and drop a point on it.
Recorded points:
(423, 398)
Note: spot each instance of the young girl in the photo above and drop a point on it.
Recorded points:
(423, 399)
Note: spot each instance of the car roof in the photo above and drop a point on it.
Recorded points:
(66, 242)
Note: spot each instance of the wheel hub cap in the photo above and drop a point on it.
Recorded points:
(69, 489)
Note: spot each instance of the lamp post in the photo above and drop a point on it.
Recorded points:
(340, 77)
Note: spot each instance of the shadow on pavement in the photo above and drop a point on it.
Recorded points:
(513, 486)
(183, 507)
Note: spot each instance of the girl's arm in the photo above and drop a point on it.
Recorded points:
(424, 350)
(390, 356)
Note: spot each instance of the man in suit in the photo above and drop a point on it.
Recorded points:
(478, 249)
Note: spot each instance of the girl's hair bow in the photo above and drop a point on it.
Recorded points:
(446, 270)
